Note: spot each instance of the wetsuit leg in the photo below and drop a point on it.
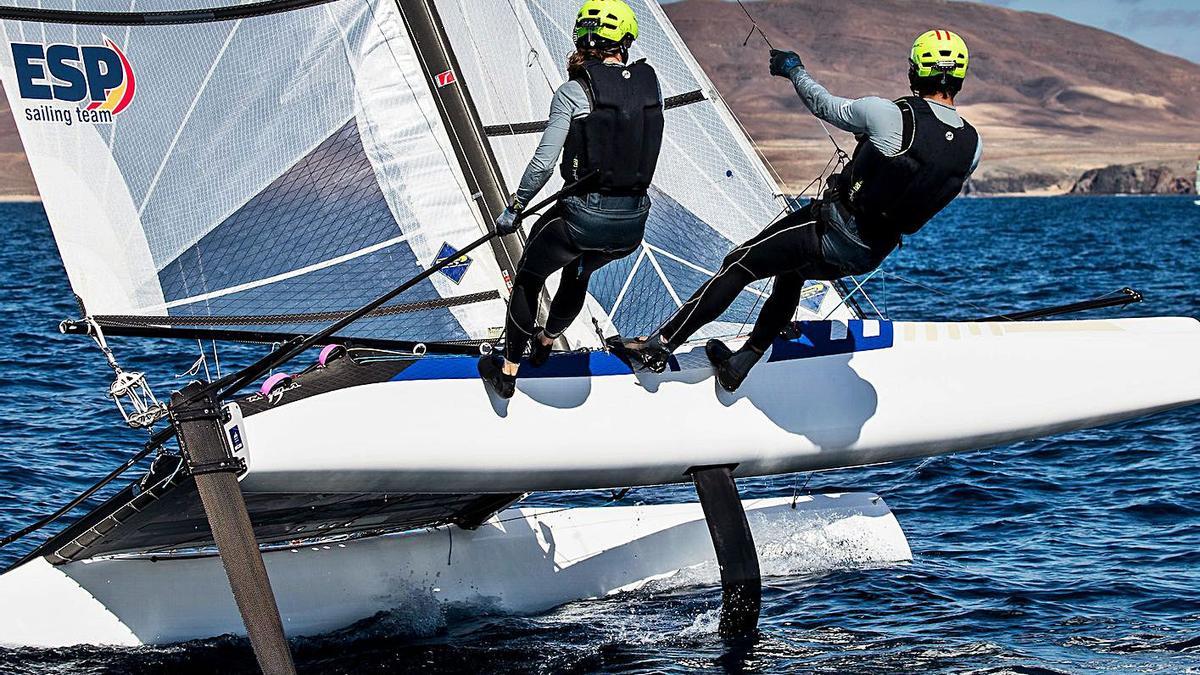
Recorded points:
(572, 289)
(778, 310)
(789, 244)
(549, 249)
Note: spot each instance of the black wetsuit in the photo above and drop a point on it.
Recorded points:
(849, 231)
(614, 148)
(791, 250)
(554, 244)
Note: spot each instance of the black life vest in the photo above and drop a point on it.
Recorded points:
(619, 140)
(895, 196)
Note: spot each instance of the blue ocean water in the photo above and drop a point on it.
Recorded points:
(1078, 553)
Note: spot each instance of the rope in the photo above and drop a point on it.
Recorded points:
(931, 289)
(907, 477)
(755, 28)
(84, 496)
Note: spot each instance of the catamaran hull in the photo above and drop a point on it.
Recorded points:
(521, 561)
(842, 395)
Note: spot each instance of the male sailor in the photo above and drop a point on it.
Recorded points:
(607, 123)
(913, 157)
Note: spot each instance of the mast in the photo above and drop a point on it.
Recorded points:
(464, 128)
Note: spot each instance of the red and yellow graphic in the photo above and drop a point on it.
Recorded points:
(120, 96)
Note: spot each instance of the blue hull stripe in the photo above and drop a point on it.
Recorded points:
(814, 341)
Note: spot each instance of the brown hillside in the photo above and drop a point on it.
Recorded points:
(1049, 96)
(15, 177)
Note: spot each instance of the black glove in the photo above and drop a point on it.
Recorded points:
(507, 223)
(783, 63)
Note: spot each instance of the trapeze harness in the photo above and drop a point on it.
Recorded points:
(615, 147)
(865, 211)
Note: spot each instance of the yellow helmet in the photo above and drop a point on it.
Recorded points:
(939, 52)
(608, 20)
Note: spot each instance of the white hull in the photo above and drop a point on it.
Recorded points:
(522, 561)
(935, 388)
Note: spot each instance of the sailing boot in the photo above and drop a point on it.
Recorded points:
(538, 352)
(652, 353)
(490, 370)
(732, 367)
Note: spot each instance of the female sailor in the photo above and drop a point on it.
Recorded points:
(607, 123)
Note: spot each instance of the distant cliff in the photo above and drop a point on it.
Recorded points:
(1137, 179)
(1016, 183)
(1142, 178)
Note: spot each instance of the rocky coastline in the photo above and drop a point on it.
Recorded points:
(1144, 178)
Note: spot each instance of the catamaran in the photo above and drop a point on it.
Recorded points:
(262, 172)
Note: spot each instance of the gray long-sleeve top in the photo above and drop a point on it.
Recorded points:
(877, 118)
(569, 102)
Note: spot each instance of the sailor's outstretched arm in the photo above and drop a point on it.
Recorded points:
(871, 115)
(569, 101)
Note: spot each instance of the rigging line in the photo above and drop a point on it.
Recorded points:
(759, 30)
(204, 360)
(907, 477)
(857, 288)
(297, 345)
(532, 47)
(931, 289)
(216, 358)
(83, 496)
(872, 303)
(755, 26)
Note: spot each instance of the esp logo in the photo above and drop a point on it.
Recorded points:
(100, 75)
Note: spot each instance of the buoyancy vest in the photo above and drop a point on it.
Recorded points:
(895, 196)
(618, 142)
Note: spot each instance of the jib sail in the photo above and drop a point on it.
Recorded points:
(711, 191)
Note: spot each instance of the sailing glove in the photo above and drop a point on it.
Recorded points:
(783, 63)
(507, 223)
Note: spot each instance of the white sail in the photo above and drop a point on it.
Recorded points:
(273, 171)
(269, 170)
(711, 191)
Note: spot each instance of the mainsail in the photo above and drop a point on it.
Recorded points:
(270, 171)
(274, 166)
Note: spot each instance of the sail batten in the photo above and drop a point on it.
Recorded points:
(520, 128)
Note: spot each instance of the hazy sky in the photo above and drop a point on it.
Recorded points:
(1171, 26)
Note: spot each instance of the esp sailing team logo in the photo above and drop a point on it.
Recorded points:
(88, 84)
